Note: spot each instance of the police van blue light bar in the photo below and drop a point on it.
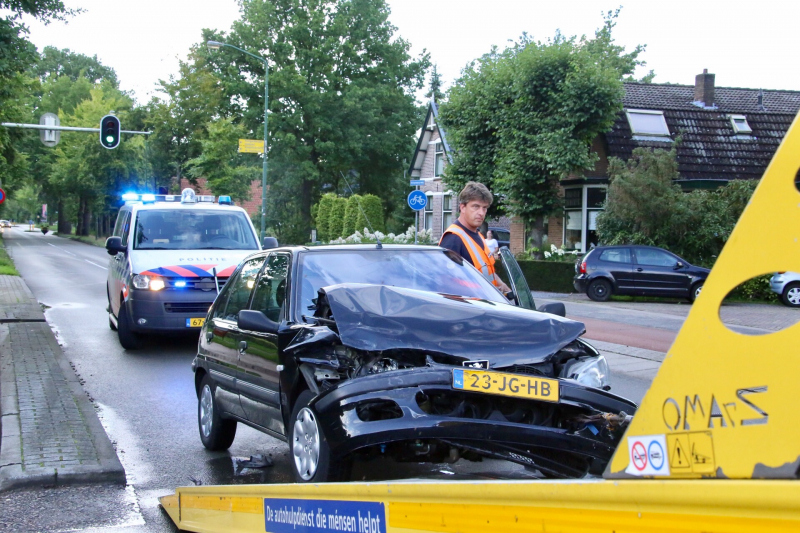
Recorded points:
(225, 200)
(130, 197)
(148, 198)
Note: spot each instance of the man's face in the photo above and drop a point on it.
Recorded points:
(473, 213)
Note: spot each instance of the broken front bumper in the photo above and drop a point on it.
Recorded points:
(549, 446)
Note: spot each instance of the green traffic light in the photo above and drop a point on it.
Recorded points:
(109, 139)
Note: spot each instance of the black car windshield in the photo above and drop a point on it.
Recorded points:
(185, 229)
(435, 271)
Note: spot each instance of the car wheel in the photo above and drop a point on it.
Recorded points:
(791, 295)
(599, 290)
(695, 291)
(216, 433)
(130, 340)
(312, 460)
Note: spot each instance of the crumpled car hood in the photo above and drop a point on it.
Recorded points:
(378, 318)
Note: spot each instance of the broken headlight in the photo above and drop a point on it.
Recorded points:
(589, 371)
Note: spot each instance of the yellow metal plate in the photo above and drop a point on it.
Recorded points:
(505, 384)
(724, 402)
(195, 322)
(251, 146)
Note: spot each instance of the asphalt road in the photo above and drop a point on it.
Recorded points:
(147, 404)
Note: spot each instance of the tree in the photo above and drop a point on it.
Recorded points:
(351, 216)
(341, 98)
(522, 119)
(55, 63)
(435, 91)
(324, 208)
(336, 218)
(226, 171)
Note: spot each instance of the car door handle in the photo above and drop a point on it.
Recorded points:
(242, 346)
(639, 269)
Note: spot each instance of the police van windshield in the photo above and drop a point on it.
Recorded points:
(178, 229)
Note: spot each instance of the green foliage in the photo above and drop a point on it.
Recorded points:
(350, 215)
(6, 264)
(548, 276)
(226, 171)
(367, 237)
(646, 206)
(372, 214)
(435, 88)
(324, 208)
(341, 94)
(756, 289)
(336, 217)
(521, 119)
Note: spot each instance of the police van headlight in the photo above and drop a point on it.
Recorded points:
(154, 283)
(590, 371)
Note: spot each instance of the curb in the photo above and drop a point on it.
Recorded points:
(12, 474)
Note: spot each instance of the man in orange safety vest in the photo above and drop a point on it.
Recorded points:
(463, 237)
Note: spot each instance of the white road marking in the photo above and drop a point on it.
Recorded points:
(59, 248)
(95, 264)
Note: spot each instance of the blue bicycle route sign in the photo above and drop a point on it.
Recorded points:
(417, 200)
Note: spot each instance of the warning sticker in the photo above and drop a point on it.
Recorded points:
(691, 452)
(648, 456)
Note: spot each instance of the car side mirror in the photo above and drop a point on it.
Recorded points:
(679, 265)
(256, 321)
(554, 308)
(114, 245)
(269, 242)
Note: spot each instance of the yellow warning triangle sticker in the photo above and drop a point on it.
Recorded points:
(752, 379)
(677, 457)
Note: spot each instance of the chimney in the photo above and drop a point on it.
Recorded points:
(704, 89)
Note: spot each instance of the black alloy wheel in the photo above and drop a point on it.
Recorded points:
(129, 339)
(599, 290)
(216, 433)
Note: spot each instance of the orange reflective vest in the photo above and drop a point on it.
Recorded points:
(480, 255)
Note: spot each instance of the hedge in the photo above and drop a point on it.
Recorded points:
(323, 216)
(350, 216)
(372, 207)
(336, 218)
(549, 276)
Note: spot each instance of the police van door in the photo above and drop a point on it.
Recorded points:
(118, 266)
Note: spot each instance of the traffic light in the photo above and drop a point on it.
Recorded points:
(109, 131)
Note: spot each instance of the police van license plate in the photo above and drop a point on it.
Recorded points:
(195, 322)
(514, 385)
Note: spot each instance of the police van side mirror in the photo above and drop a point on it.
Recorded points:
(114, 245)
(269, 242)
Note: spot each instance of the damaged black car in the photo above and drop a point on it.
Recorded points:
(356, 352)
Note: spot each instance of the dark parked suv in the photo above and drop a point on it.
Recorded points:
(637, 271)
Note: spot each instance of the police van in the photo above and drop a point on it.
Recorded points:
(171, 254)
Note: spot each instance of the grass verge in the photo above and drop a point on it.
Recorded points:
(6, 264)
(94, 241)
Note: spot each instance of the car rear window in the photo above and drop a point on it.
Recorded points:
(616, 255)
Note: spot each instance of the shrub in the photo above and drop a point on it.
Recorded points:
(323, 216)
(423, 237)
(336, 217)
(372, 208)
(350, 216)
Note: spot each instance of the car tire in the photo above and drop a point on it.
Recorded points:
(312, 461)
(695, 291)
(599, 290)
(791, 295)
(216, 433)
(130, 340)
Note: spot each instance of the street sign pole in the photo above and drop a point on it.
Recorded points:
(416, 183)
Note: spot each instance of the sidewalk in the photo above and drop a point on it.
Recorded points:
(51, 434)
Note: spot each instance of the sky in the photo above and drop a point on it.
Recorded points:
(746, 44)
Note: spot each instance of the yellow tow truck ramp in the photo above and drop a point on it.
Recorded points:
(714, 447)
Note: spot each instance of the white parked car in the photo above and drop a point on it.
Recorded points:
(787, 284)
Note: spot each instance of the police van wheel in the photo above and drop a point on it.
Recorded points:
(127, 338)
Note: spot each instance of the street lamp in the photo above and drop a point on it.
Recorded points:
(216, 45)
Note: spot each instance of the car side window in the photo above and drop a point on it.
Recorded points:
(645, 256)
(240, 289)
(119, 223)
(270, 293)
(616, 255)
(126, 228)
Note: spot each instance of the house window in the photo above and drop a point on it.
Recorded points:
(582, 205)
(428, 213)
(438, 168)
(740, 125)
(447, 211)
(648, 124)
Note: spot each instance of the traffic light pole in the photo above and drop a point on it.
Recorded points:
(63, 128)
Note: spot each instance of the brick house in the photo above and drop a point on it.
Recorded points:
(725, 134)
(252, 206)
(428, 163)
